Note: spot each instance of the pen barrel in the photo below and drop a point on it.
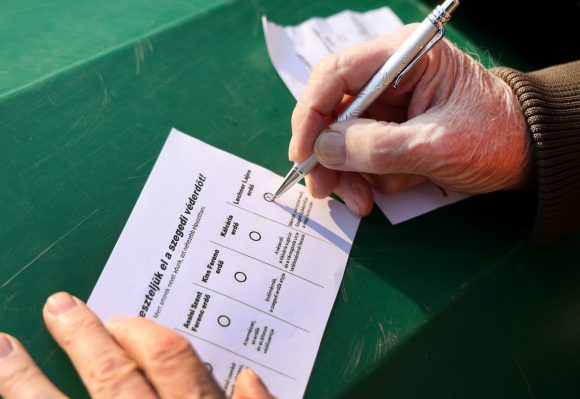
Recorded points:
(412, 46)
(306, 166)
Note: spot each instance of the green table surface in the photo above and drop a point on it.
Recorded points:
(453, 304)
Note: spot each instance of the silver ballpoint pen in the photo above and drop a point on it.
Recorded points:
(427, 35)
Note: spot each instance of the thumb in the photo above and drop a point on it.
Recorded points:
(249, 386)
(365, 145)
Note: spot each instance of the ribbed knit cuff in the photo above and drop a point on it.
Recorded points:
(550, 100)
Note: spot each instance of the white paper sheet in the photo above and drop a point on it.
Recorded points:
(294, 50)
(250, 282)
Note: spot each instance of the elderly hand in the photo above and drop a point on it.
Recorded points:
(449, 121)
(127, 358)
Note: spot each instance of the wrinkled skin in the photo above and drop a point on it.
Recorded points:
(450, 121)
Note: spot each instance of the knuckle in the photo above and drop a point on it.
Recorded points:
(168, 349)
(419, 146)
(376, 152)
(325, 66)
(110, 371)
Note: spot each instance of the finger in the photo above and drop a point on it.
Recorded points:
(20, 377)
(365, 145)
(166, 357)
(250, 386)
(355, 192)
(390, 184)
(321, 181)
(104, 367)
(343, 73)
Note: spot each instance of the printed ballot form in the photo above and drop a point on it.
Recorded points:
(294, 50)
(250, 282)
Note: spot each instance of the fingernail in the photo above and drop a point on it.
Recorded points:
(310, 186)
(60, 303)
(355, 203)
(291, 149)
(330, 148)
(5, 346)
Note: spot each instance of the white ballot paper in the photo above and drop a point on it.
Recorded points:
(294, 50)
(248, 281)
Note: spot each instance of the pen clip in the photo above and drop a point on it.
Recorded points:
(417, 58)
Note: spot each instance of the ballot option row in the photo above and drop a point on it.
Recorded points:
(293, 250)
(240, 329)
(250, 281)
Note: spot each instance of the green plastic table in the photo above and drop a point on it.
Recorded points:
(453, 304)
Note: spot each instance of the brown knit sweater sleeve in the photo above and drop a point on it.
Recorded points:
(550, 100)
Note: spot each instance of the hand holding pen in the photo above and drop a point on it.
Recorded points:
(449, 120)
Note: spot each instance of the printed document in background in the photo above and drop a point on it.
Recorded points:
(248, 281)
(294, 50)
